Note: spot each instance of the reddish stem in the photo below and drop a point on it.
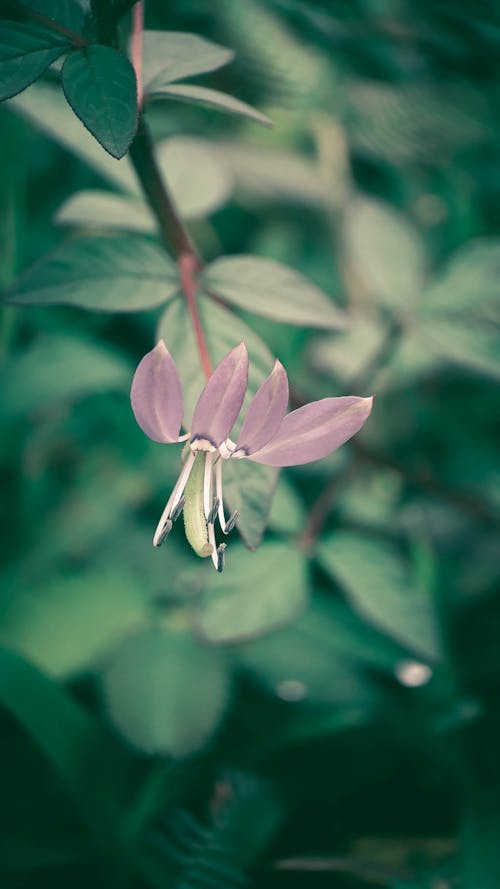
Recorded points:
(189, 266)
(136, 47)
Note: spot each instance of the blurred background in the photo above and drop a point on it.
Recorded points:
(326, 712)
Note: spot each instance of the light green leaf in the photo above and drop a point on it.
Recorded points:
(200, 183)
(103, 209)
(459, 315)
(55, 368)
(287, 514)
(165, 692)
(108, 274)
(25, 52)
(69, 624)
(347, 355)
(43, 104)
(69, 739)
(201, 95)
(256, 593)
(99, 84)
(249, 488)
(385, 252)
(173, 55)
(223, 330)
(380, 587)
(273, 290)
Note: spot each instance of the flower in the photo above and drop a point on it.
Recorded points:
(268, 435)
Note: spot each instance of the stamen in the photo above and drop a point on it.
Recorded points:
(228, 526)
(174, 498)
(232, 521)
(211, 539)
(213, 512)
(165, 532)
(174, 515)
(221, 557)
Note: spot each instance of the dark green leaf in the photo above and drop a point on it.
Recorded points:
(69, 13)
(25, 52)
(99, 84)
(173, 55)
(256, 593)
(107, 274)
(200, 95)
(273, 290)
(165, 692)
(80, 753)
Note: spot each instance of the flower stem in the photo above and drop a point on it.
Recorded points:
(136, 47)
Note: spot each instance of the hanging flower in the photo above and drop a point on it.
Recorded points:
(268, 435)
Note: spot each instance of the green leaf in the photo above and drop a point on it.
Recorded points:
(99, 84)
(165, 692)
(103, 209)
(108, 274)
(287, 514)
(385, 252)
(348, 354)
(69, 738)
(173, 55)
(200, 183)
(200, 95)
(25, 52)
(249, 488)
(58, 368)
(459, 315)
(256, 593)
(69, 624)
(273, 290)
(380, 587)
(223, 330)
(70, 13)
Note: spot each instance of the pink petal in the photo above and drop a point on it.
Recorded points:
(156, 395)
(220, 402)
(315, 430)
(265, 412)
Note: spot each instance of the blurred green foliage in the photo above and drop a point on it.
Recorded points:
(325, 713)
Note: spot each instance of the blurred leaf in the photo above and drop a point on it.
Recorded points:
(199, 182)
(385, 252)
(201, 95)
(104, 209)
(459, 315)
(173, 55)
(58, 368)
(256, 593)
(287, 514)
(79, 751)
(165, 691)
(223, 330)
(125, 273)
(45, 107)
(99, 84)
(380, 587)
(347, 355)
(68, 625)
(249, 488)
(25, 52)
(273, 290)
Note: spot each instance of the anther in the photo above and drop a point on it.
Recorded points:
(174, 515)
(221, 557)
(232, 521)
(165, 531)
(213, 512)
